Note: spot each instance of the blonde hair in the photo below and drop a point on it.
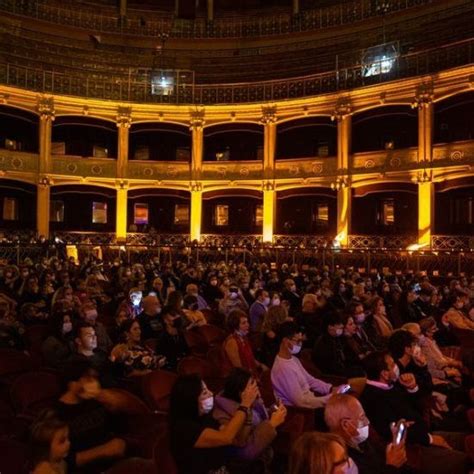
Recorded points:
(312, 453)
(275, 316)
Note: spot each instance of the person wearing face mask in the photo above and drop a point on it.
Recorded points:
(88, 313)
(232, 300)
(212, 293)
(328, 352)
(90, 430)
(198, 442)
(171, 342)
(360, 342)
(275, 316)
(192, 290)
(292, 384)
(150, 318)
(344, 416)
(237, 347)
(258, 309)
(385, 402)
(59, 345)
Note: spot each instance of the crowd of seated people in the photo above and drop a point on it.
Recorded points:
(234, 368)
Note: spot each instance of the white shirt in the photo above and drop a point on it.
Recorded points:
(293, 385)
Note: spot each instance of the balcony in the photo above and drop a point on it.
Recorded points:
(384, 160)
(158, 170)
(18, 161)
(305, 168)
(84, 167)
(232, 170)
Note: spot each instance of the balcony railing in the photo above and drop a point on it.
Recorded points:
(156, 170)
(134, 88)
(399, 242)
(18, 161)
(232, 170)
(146, 23)
(84, 167)
(305, 167)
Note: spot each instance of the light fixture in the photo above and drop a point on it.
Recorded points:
(339, 184)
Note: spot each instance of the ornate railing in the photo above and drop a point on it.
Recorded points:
(85, 238)
(148, 23)
(158, 170)
(302, 241)
(400, 242)
(305, 167)
(452, 242)
(157, 239)
(218, 240)
(85, 167)
(232, 170)
(18, 161)
(84, 83)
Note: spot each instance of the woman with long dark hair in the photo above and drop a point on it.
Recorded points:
(197, 443)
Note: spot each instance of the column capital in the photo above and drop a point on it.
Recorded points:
(197, 121)
(342, 109)
(195, 186)
(45, 181)
(268, 185)
(121, 184)
(45, 107)
(124, 117)
(424, 96)
(269, 115)
(4, 98)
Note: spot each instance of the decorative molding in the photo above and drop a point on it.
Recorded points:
(4, 98)
(45, 181)
(197, 120)
(268, 186)
(195, 186)
(124, 117)
(122, 184)
(269, 114)
(45, 107)
(342, 109)
(424, 95)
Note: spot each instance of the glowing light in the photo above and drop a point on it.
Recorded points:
(415, 247)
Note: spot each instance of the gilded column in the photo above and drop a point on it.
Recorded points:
(424, 103)
(210, 10)
(343, 116)
(121, 210)
(46, 114)
(196, 126)
(269, 210)
(43, 191)
(269, 121)
(196, 211)
(296, 7)
(124, 121)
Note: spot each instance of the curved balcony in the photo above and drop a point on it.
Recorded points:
(232, 170)
(155, 170)
(305, 168)
(231, 27)
(137, 89)
(18, 162)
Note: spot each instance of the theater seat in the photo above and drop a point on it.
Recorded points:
(13, 363)
(32, 392)
(212, 334)
(216, 357)
(16, 461)
(202, 367)
(162, 454)
(34, 337)
(196, 342)
(156, 389)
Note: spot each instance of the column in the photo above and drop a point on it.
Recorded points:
(296, 7)
(121, 210)
(269, 121)
(269, 211)
(344, 195)
(344, 206)
(197, 130)
(124, 122)
(426, 195)
(46, 113)
(196, 212)
(210, 10)
(424, 103)
(42, 207)
(123, 8)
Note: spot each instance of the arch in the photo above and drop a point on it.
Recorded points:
(233, 127)
(231, 122)
(136, 193)
(448, 95)
(378, 105)
(19, 107)
(84, 121)
(356, 115)
(300, 191)
(385, 187)
(89, 115)
(221, 191)
(303, 116)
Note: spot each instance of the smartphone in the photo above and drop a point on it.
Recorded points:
(400, 432)
(344, 389)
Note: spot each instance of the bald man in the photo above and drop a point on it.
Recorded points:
(345, 417)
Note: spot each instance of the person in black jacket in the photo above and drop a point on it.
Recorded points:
(386, 402)
(345, 417)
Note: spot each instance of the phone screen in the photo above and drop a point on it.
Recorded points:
(400, 433)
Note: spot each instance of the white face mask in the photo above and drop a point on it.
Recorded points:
(67, 327)
(233, 296)
(266, 301)
(295, 349)
(91, 316)
(276, 302)
(396, 373)
(351, 467)
(339, 332)
(293, 288)
(360, 318)
(362, 435)
(207, 405)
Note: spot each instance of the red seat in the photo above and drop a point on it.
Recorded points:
(216, 357)
(34, 337)
(164, 460)
(212, 334)
(196, 342)
(156, 388)
(16, 462)
(209, 373)
(213, 317)
(13, 363)
(117, 400)
(33, 391)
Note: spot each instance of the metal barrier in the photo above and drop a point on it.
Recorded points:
(432, 263)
